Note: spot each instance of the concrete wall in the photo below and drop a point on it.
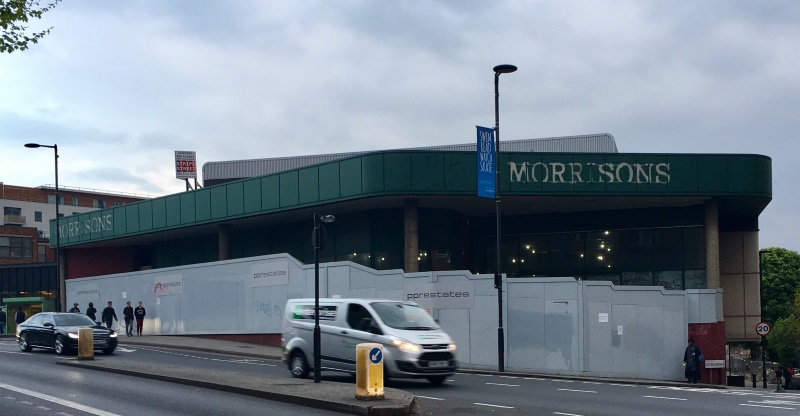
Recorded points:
(552, 325)
(739, 277)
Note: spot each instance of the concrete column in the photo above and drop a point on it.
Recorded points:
(224, 239)
(411, 236)
(712, 245)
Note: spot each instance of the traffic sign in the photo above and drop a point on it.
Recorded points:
(763, 328)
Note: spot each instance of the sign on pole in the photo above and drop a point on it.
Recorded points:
(185, 164)
(763, 328)
(487, 160)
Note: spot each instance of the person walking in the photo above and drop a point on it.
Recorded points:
(128, 314)
(139, 313)
(691, 360)
(20, 316)
(91, 312)
(2, 321)
(108, 314)
(787, 376)
(75, 308)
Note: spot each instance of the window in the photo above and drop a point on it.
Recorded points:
(99, 203)
(12, 211)
(37, 216)
(75, 201)
(358, 317)
(16, 247)
(116, 203)
(51, 199)
(41, 254)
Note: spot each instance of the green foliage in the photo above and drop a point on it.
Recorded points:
(14, 16)
(785, 335)
(780, 270)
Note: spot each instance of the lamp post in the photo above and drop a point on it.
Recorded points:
(498, 282)
(318, 241)
(763, 339)
(62, 290)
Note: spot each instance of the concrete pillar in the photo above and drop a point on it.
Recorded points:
(224, 239)
(411, 236)
(712, 245)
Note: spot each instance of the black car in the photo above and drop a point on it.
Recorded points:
(59, 331)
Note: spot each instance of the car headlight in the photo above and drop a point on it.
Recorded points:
(73, 336)
(404, 345)
(452, 346)
(112, 335)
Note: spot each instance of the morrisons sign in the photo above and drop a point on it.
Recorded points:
(574, 172)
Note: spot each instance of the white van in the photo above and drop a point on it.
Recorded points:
(414, 346)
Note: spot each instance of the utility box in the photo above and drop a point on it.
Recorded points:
(85, 344)
(369, 371)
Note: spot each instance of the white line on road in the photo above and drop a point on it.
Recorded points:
(622, 385)
(430, 398)
(579, 391)
(665, 398)
(501, 384)
(534, 378)
(508, 377)
(62, 402)
(591, 382)
(494, 405)
(771, 407)
(484, 375)
(11, 352)
(566, 414)
(562, 381)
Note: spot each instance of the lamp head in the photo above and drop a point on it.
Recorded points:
(504, 69)
(32, 145)
(327, 219)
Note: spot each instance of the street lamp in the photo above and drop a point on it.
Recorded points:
(498, 283)
(62, 289)
(318, 240)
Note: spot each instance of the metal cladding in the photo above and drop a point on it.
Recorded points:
(240, 169)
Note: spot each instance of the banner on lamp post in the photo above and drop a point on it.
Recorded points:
(486, 162)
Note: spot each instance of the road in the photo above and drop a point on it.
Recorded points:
(462, 394)
(32, 385)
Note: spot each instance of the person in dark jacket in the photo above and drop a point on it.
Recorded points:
(20, 316)
(787, 376)
(91, 312)
(108, 314)
(74, 308)
(691, 359)
(139, 313)
(128, 314)
(2, 321)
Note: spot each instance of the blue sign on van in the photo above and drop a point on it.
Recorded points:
(487, 162)
(375, 355)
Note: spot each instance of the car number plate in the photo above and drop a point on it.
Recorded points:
(437, 364)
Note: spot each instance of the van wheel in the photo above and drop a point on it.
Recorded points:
(437, 379)
(298, 365)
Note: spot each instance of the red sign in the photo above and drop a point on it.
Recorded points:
(763, 329)
(185, 164)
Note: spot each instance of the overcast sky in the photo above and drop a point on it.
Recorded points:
(121, 85)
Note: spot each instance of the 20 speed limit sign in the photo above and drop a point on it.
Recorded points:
(763, 329)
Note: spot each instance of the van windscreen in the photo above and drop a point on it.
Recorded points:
(404, 316)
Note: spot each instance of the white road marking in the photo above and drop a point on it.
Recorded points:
(562, 381)
(494, 405)
(237, 361)
(120, 349)
(591, 382)
(578, 391)
(770, 407)
(44, 408)
(534, 378)
(56, 400)
(508, 377)
(622, 385)
(484, 375)
(430, 398)
(501, 384)
(566, 414)
(665, 398)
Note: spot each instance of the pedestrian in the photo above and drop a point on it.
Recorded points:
(108, 314)
(140, 313)
(788, 372)
(20, 316)
(691, 360)
(75, 308)
(91, 312)
(128, 314)
(2, 321)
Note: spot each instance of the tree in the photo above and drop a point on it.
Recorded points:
(780, 271)
(14, 18)
(785, 335)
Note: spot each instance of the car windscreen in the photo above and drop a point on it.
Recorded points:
(73, 319)
(404, 316)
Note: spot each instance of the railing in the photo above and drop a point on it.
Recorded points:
(14, 220)
(96, 191)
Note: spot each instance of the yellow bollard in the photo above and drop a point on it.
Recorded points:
(85, 344)
(369, 371)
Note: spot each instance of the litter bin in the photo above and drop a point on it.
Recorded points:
(736, 381)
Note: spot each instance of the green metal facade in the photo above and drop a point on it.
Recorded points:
(429, 173)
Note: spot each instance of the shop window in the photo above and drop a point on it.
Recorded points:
(637, 279)
(602, 250)
(694, 248)
(695, 279)
(667, 248)
(671, 280)
(534, 254)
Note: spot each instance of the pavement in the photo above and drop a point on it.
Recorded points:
(337, 397)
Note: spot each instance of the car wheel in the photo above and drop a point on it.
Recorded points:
(58, 345)
(108, 351)
(437, 379)
(298, 365)
(23, 343)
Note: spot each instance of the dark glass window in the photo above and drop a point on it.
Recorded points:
(16, 247)
(37, 216)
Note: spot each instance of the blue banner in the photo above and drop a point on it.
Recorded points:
(486, 158)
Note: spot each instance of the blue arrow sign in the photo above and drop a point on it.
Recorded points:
(375, 355)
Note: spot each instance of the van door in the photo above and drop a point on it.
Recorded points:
(360, 328)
